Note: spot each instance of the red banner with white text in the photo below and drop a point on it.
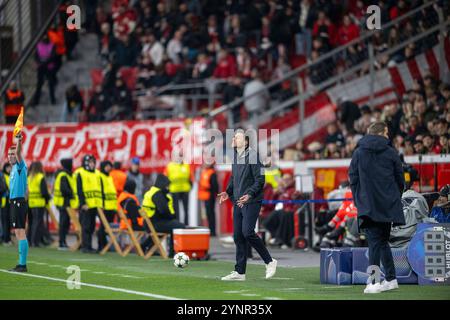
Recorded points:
(152, 141)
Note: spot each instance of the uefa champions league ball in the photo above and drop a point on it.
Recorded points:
(181, 260)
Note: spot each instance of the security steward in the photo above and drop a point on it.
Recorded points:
(64, 197)
(158, 204)
(109, 199)
(14, 100)
(207, 192)
(38, 197)
(179, 175)
(6, 218)
(90, 199)
(129, 204)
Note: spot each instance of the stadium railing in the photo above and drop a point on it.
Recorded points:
(22, 24)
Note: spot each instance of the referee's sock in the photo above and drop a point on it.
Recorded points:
(23, 252)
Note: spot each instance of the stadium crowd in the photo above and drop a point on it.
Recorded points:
(240, 44)
(417, 125)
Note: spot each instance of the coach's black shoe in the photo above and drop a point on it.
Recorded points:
(19, 268)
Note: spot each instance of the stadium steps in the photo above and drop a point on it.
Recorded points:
(71, 72)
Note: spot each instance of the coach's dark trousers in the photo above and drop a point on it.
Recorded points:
(87, 220)
(244, 222)
(378, 239)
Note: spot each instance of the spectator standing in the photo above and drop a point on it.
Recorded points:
(258, 97)
(46, 70)
(14, 100)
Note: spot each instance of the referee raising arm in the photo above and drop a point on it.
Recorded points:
(18, 188)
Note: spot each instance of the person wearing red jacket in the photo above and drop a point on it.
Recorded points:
(226, 66)
(348, 31)
(336, 226)
(324, 29)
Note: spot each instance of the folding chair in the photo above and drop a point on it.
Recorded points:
(112, 232)
(77, 227)
(135, 236)
(157, 238)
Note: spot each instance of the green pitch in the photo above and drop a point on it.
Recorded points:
(115, 277)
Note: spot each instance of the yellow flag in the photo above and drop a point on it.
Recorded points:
(19, 123)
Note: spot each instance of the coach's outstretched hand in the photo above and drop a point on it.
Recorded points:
(223, 197)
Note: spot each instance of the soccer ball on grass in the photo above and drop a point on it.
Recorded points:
(181, 260)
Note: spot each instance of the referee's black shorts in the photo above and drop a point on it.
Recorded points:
(18, 209)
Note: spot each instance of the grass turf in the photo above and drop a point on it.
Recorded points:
(200, 280)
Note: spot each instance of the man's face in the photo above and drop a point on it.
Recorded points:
(108, 168)
(134, 167)
(91, 164)
(418, 146)
(12, 156)
(239, 140)
(287, 179)
(428, 142)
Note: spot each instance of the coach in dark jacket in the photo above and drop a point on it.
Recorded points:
(376, 180)
(245, 189)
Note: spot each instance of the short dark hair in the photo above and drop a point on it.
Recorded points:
(377, 128)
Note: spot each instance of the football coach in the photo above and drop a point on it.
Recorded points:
(245, 190)
(377, 182)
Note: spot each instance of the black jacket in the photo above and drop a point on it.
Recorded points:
(65, 188)
(376, 180)
(160, 199)
(246, 177)
(44, 190)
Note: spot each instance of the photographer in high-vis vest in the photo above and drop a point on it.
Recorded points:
(158, 204)
(90, 199)
(109, 199)
(64, 197)
(5, 215)
(38, 197)
(129, 204)
(179, 174)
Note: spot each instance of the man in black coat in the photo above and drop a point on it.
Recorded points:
(245, 190)
(377, 182)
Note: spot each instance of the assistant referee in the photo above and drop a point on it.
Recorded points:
(18, 188)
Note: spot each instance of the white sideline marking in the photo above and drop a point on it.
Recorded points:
(271, 298)
(87, 260)
(249, 294)
(337, 287)
(39, 263)
(55, 266)
(99, 272)
(236, 291)
(138, 293)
